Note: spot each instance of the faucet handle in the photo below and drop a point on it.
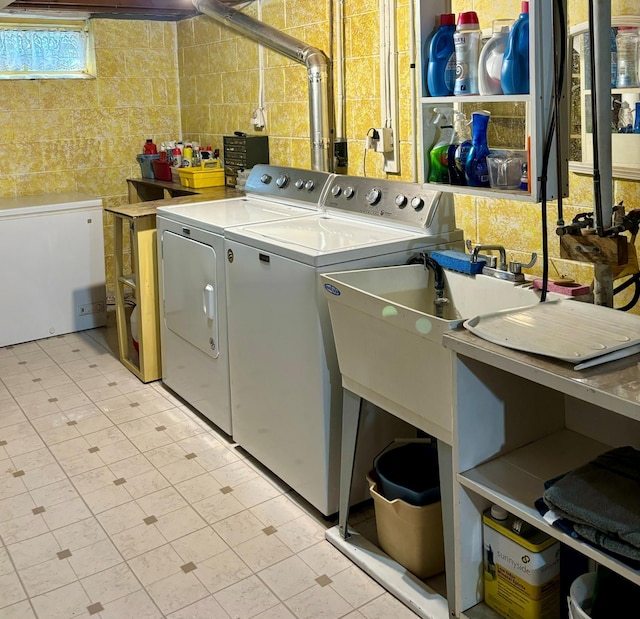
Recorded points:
(516, 267)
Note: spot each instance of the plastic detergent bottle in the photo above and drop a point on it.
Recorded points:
(625, 118)
(466, 41)
(490, 63)
(150, 148)
(438, 170)
(459, 149)
(515, 64)
(476, 171)
(627, 46)
(441, 65)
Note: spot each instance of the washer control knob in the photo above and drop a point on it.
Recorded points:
(349, 192)
(336, 190)
(282, 181)
(265, 179)
(401, 200)
(373, 196)
(417, 203)
(299, 184)
(309, 185)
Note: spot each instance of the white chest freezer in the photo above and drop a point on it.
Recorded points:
(52, 273)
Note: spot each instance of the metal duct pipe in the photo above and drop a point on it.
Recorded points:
(318, 67)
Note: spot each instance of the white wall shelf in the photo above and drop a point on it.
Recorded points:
(538, 104)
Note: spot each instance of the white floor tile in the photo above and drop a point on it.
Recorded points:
(246, 598)
(199, 545)
(194, 527)
(111, 584)
(355, 586)
(176, 592)
(137, 604)
(319, 603)
(207, 608)
(11, 591)
(288, 578)
(221, 571)
(156, 564)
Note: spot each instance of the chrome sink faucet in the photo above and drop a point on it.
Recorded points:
(512, 272)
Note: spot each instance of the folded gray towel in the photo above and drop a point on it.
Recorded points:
(602, 498)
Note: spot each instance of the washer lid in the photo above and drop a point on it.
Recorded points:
(325, 239)
(216, 215)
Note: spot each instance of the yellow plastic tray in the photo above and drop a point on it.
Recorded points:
(196, 178)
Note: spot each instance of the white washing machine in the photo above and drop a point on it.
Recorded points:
(285, 383)
(195, 358)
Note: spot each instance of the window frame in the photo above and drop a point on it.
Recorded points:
(55, 24)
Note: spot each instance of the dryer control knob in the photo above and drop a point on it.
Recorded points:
(349, 192)
(373, 196)
(336, 190)
(309, 185)
(282, 181)
(265, 179)
(401, 200)
(417, 203)
(299, 184)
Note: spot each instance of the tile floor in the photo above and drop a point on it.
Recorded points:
(117, 501)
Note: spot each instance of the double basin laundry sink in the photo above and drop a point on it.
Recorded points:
(388, 332)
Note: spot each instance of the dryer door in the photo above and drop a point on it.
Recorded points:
(190, 291)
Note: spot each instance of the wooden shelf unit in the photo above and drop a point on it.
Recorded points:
(140, 222)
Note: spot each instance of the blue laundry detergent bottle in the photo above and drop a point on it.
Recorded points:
(515, 63)
(476, 171)
(441, 64)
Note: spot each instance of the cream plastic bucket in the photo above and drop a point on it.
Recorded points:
(580, 596)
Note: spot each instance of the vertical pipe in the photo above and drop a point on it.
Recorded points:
(603, 274)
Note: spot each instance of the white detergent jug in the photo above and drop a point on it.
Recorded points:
(490, 62)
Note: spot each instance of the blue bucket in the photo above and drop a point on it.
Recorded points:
(409, 472)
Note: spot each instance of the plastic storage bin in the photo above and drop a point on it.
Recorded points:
(146, 166)
(409, 472)
(409, 534)
(196, 178)
(161, 170)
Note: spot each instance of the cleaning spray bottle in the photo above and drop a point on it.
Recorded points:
(459, 149)
(476, 171)
(438, 170)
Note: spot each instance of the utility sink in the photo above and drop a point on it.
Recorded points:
(389, 340)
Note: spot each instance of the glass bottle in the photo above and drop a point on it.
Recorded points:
(627, 57)
(476, 171)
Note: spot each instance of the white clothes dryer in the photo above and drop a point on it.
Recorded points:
(285, 383)
(195, 356)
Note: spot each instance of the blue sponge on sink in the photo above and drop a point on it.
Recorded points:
(458, 261)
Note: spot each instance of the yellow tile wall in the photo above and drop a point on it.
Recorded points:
(198, 79)
(83, 135)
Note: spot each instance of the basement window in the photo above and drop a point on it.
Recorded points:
(46, 48)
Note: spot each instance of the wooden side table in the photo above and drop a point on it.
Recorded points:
(140, 221)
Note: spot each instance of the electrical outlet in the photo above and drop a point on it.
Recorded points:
(385, 143)
(372, 143)
(90, 308)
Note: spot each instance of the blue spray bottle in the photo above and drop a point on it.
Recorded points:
(476, 171)
(438, 169)
(515, 63)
